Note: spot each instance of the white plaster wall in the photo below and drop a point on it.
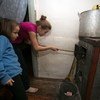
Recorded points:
(63, 15)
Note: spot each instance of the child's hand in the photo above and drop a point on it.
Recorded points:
(10, 82)
(54, 48)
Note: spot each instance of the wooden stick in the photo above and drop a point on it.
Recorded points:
(66, 50)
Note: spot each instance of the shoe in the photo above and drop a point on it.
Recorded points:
(32, 90)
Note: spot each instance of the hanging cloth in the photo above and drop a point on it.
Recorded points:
(13, 9)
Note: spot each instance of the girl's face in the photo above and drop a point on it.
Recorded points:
(41, 31)
(14, 33)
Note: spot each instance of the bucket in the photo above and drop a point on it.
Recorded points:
(89, 23)
(67, 86)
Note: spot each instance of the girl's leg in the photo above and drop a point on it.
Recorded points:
(17, 89)
(24, 76)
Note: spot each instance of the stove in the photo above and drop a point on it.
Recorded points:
(87, 77)
(91, 40)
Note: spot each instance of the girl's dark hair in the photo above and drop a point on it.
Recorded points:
(7, 26)
(43, 23)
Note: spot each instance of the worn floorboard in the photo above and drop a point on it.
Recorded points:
(48, 89)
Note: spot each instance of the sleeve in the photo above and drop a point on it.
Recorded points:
(4, 77)
(29, 27)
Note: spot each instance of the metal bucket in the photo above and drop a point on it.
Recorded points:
(89, 23)
(68, 86)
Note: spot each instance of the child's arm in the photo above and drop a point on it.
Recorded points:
(4, 77)
(36, 45)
